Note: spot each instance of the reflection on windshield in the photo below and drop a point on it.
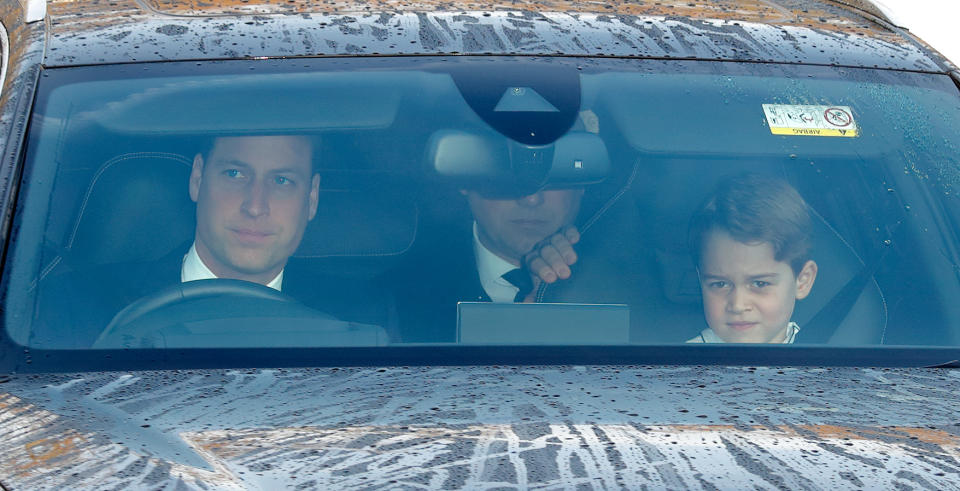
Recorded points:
(402, 205)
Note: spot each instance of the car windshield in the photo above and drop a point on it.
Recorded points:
(486, 202)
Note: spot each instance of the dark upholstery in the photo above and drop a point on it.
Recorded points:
(363, 222)
(137, 207)
(668, 202)
(636, 253)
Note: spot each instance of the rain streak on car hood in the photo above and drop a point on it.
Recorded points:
(678, 427)
(791, 31)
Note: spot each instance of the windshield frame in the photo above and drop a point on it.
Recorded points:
(17, 358)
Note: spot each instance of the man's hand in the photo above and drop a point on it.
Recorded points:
(551, 259)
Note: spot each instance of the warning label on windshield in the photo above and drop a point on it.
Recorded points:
(798, 120)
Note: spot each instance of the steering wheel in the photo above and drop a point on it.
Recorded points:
(122, 328)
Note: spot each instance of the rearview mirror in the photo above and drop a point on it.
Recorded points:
(494, 164)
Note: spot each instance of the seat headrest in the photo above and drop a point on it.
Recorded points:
(360, 222)
(138, 208)
(668, 214)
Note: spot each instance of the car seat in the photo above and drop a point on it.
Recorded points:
(635, 252)
(137, 208)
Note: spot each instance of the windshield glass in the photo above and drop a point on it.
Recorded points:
(486, 201)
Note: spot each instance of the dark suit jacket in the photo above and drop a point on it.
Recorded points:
(75, 307)
(429, 284)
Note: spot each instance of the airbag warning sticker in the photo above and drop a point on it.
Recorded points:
(791, 119)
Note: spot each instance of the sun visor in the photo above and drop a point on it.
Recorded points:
(242, 104)
(747, 115)
(501, 166)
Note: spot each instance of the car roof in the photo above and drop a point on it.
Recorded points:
(784, 31)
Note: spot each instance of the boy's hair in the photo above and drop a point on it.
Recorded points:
(753, 208)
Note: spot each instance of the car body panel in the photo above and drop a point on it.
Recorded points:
(757, 32)
(16, 98)
(564, 426)
(778, 11)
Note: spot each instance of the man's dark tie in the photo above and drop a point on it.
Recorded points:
(520, 279)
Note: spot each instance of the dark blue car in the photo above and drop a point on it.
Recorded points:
(519, 245)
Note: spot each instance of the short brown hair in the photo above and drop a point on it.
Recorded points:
(753, 209)
(208, 144)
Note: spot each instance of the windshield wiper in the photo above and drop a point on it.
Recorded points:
(949, 364)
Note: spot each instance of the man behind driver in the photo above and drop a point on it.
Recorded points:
(537, 228)
(255, 196)
(515, 244)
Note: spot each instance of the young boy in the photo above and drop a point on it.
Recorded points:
(751, 243)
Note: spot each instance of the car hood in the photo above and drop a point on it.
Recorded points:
(482, 426)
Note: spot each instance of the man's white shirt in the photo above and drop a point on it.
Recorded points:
(491, 268)
(194, 269)
(708, 336)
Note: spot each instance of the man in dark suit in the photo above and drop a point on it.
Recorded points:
(254, 196)
(514, 244)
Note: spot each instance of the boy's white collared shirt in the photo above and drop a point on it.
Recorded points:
(491, 268)
(193, 269)
(708, 336)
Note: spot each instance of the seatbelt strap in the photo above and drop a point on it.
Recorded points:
(832, 314)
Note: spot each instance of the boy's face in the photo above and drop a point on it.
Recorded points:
(748, 296)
